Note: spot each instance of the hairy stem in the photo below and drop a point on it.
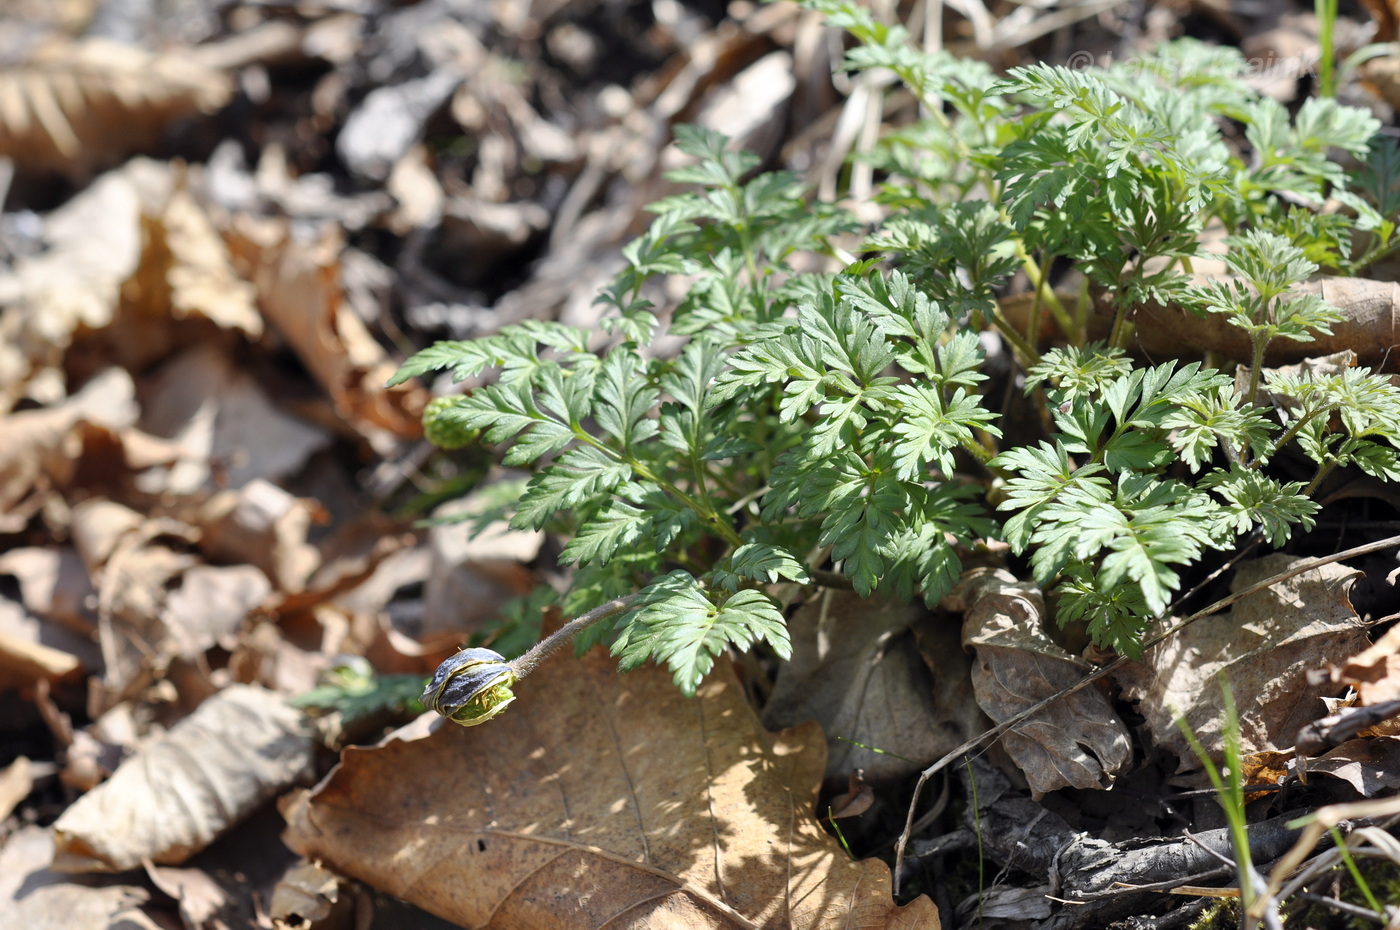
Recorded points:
(526, 663)
(1292, 433)
(1025, 352)
(1256, 364)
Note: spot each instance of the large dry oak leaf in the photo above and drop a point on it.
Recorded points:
(600, 799)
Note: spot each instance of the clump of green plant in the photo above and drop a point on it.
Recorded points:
(831, 427)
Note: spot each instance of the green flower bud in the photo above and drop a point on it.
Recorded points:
(471, 687)
(444, 430)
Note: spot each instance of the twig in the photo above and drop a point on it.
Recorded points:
(1017, 719)
(1355, 910)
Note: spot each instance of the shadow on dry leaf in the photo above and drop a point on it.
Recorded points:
(856, 670)
(1265, 646)
(35, 897)
(600, 799)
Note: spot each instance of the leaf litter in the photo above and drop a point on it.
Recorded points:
(192, 359)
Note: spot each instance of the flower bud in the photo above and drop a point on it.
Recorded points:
(471, 687)
(444, 430)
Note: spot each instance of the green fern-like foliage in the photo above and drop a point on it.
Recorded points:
(781, 425)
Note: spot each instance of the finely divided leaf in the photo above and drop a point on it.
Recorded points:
(677, 624)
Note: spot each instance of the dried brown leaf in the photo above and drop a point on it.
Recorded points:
(230, 431)
(211, 604)
(1375, 671)
(474, 570)
(143, 567)
(172, 799)
(600, 799)
(35, 897)
(856, 800)
(311, 897)
(75, 105)
(1265, 646)
(16, 781)
(201, 897)
(856, 670)
(37, 452)
(98, 528)
(1266, 768)
(53, 583)
(1077, 742)
(23, 660)
(94, 245)
(299, 293)
(1371, 766)
(265, 526)
(183, 243)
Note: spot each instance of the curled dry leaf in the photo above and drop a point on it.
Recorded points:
(600, 799)
(299, 292)
(1265, 646)
(201, 898)
(311, 897)
(856, 800)
(171, 800)
(75, 105)
(1078, 742)
(1375, 670)
(1371, 766)
(36, 452)
(856, 671)
(265, 526)
(94, 245)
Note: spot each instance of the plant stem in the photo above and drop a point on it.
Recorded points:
(1326, 11)
(1322, 472)
(1291, 433)
(526, 663)
(706, 513)
(978, 451)
(1255, 366)
(1038, 276)
(1118, 335)
(1026, 352)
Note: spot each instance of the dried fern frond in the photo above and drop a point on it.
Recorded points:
(74, 106)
